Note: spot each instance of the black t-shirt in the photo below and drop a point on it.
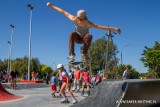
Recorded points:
(14, 74)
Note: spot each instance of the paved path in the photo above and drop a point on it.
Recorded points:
(37, 97)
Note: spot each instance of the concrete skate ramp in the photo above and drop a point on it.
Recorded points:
(142, 93)
(104, 95)
(6, 96)
(124, 93)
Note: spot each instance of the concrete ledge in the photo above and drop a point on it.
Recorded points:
(30, 82)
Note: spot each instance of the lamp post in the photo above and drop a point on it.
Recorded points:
(122, 53)
(11, 44)
(30, 35)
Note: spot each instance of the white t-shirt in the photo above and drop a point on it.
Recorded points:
(70, 75)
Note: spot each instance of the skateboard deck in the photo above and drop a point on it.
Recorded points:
(76, 62)
(56, 96)
(65, 102)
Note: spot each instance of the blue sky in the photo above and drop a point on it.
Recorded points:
(138, 20)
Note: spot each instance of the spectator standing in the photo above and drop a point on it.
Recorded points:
(126, 74)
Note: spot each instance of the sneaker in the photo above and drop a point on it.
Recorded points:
(84, 57)
(71, 58)
(82, 94)
(73, 90)
(88, 92)
(53, 95)
(74, 101)
(77, 91)
(60, 95)
(64, 99)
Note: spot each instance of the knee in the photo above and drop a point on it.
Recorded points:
(72, 34)
(89, 36)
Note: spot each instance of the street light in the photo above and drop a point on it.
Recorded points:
(30, 35)
(11, 44)
(122, 50)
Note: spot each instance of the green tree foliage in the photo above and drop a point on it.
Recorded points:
(151, 58)
(3, 64)
(45, 69)
(98, 54)
(21, 65)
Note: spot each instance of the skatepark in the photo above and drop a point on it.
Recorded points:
(53, 37)
(110, 93)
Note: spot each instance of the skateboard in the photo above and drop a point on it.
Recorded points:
(75, 63)
(56, 96)
(65, 102)
(81, 63)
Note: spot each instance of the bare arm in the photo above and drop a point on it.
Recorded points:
(68, 15)
(104, 27)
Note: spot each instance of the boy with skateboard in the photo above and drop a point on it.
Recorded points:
(81, 35)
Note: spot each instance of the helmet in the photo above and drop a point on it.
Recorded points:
(59, 66)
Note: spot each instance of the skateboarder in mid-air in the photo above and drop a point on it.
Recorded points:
(81, 35)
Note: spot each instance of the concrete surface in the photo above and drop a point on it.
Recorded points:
(110, 93)
(37, 97)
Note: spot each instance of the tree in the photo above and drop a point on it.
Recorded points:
(34, 64)
(151, 58)
(21, 65)
(98, 54)
(45, 69)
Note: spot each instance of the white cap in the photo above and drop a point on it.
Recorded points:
(81, 13)
(59, 66)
